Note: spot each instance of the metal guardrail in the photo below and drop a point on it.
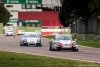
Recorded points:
(88, 36)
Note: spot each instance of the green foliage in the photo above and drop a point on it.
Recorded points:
(94, 7)
(4, 15)
(73, 9)
(95, 44)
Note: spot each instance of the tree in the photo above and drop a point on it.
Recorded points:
(4, 15)
(72, 10)
(94, 7)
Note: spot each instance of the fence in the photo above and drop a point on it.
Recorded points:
(88, 37)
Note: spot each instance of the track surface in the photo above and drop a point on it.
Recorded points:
(85, 53)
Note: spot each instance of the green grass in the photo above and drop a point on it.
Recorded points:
(11, 59)
(29, 29)
(95, 44)
(1, 28)
(65, 32)
(49, 37)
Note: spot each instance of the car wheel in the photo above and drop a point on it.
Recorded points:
(74, 49)
(50, 48)
(27, 44)
(39, 44)
(21, 44)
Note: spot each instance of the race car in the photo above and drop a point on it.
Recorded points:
(30, 39)
(63, 42)
(20, 32)
(9, 33)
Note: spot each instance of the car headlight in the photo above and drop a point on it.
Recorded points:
(39, 40)
(74, 44)
(24, 40)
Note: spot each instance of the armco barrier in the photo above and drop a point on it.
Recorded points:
(51, 31)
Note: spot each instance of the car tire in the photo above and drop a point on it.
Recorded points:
(59, 49)
(74, 49)
(21, 44)
(50, 48)
(39, 45)
(25, 44)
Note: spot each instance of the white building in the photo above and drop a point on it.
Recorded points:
(14, 6)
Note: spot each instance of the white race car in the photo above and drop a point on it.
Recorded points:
(9, 33)
(21, 32)
(30, 39)
(63, 42)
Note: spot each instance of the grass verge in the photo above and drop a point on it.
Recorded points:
(1, 28)
(29, 29)
(65, 32)
(95, 44)
(11, 59)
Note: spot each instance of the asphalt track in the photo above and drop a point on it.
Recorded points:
(84, 53)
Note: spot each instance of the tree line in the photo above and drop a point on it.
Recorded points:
(74, 9)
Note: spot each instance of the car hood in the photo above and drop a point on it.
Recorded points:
(30, 38)
(9, 32)
(65, 41)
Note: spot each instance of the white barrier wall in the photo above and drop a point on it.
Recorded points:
(51, 30)
(55, 30)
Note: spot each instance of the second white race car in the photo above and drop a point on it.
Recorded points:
(30, 39)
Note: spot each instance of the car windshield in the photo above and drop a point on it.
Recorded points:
(30, 36)
(9, 31)
(64, 38)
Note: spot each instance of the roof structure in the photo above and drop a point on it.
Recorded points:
(51, 3)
